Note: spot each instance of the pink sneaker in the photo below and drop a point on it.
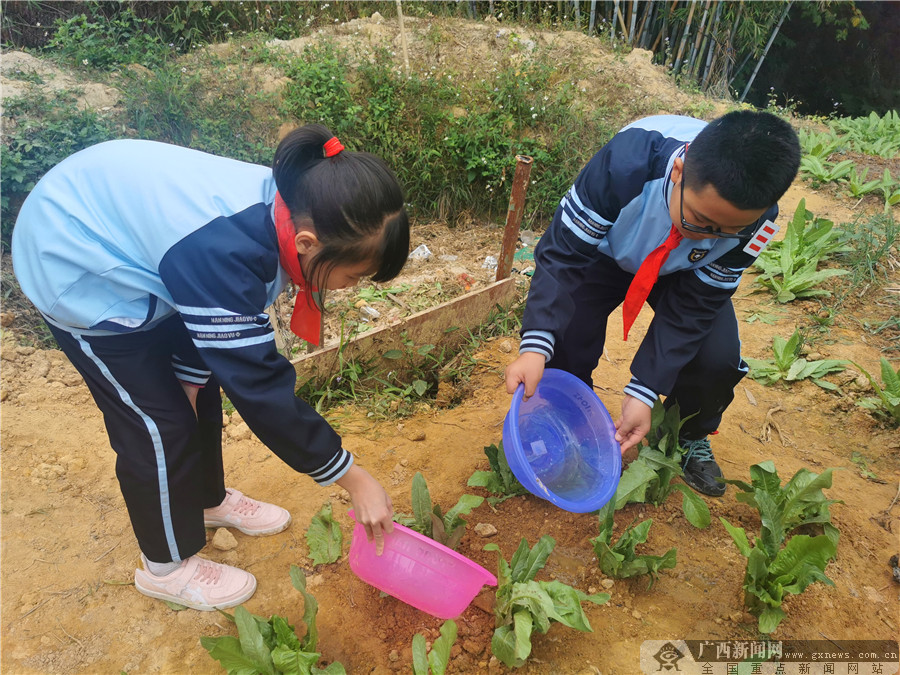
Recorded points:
(247, 515)
(199, 584)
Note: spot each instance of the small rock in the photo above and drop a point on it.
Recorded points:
(718, 621)
(636, 614)
(394, 655)
(485, 530)
(6, 319)
(4, 394)
(224, 540)
(473, 647)
(360, 304)
(506, 346)
(415, 435)
(404, 462)
(592, 590)
(736, 617)
(607, 583)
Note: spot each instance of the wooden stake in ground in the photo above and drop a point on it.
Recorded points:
(403, 37)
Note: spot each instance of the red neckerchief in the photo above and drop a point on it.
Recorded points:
(306, 320)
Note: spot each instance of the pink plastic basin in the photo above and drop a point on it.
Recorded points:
(419, 571)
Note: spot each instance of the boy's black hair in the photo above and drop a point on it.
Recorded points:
(750, 158)
(352, 198)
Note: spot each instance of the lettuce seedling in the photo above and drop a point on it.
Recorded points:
(524, 605)
(500, 480)
(433, 662)
(619, 560)
(887, 404)
(428, 519)
(272, 647)
(649, 477)
(777, 565)
(790, 267)
(324, 537)
(790, 367)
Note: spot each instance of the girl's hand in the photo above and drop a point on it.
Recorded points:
(528, 369)
(371, 504)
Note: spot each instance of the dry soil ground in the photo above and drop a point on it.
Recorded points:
(68, 554)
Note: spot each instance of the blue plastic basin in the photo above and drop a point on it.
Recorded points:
(561, 445)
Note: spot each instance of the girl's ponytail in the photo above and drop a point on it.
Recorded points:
(352, 198)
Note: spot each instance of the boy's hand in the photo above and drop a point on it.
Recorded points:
(371, 504)
(634, 423)
(528, 369)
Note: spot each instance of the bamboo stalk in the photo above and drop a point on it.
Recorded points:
(642, 29)
(762, 58)
(632, 25)
(701, 32)
(403, 37)
(621, 20)
(729, 48)
(684, 38)
(593, 19)
(713, 44)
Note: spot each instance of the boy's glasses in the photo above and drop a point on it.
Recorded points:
(711, 231)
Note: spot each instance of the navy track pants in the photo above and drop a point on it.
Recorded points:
(168, 461)
(705, 385)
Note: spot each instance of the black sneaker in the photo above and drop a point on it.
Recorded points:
(700, 468)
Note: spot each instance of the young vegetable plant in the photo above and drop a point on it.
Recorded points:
(619, 560)
(776, 564)
(789, 267)
(433, 662)
(524, 605)
(500, 479)
(887, 403)
(790, 367)
(427, 519)
(649, 477)
(324, 537)
(272, 647)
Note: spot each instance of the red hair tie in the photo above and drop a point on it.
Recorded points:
(332, 146)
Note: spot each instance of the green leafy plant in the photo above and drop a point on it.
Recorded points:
(324, 537)
(890, 189)
(433, 662)
(871, 135)
(619, 560)
(428, 519)
(887, 403)
(105, 42)
(499, 480)
(789, 366)
(272, 647)
(790, 267)
(823, 171)
(778, 564)
(649, 477)
(524, 605)
(859, 186)
(40, 131)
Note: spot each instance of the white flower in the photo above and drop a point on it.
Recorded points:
(534, 116)
(84, 61)
(184, 70)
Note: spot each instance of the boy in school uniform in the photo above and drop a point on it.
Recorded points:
(670, 211)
